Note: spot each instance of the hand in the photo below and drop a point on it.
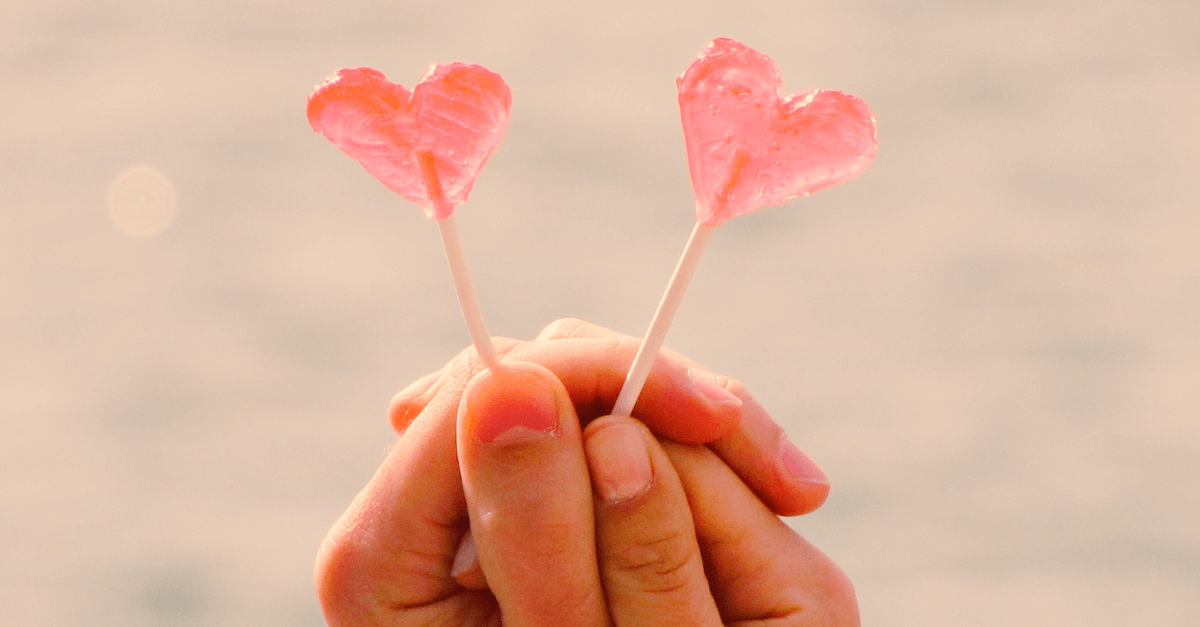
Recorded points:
(681, 401)
(388, 560)
(727, 560)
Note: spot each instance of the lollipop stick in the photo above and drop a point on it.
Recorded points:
(466, 293)
(661, 323)
(458, 262)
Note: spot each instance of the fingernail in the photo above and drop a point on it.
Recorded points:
(466, 557)
(714, 392)
(618, 462)
(510, 405)
(798, 465)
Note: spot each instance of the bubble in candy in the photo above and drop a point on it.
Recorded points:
(428, 144)
(748, 147)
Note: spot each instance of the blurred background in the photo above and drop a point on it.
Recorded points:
(988, 340)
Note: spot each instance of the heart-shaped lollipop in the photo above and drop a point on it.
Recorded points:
(427, 145)
(748, 147)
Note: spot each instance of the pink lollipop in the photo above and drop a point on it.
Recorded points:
(747, 148)
(427, 145)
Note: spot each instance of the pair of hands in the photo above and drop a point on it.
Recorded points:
(603, 524)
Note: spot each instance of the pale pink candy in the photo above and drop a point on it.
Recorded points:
(748, 148)
(427, 145)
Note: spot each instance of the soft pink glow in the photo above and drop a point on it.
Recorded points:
(748, 148)
(428, 144)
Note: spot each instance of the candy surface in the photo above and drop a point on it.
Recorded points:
(428, 144)
(748, 148)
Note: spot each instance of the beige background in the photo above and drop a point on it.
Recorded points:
(988, 340)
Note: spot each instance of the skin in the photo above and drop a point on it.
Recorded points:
(669, 517)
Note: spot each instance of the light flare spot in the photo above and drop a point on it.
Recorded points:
(141, 201)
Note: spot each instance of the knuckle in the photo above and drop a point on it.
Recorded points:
(562, 328)
(731, 385)
(659, 564)
(557, 542)
(504, 345)
(839, 603)
(621, 348)
(461, 368)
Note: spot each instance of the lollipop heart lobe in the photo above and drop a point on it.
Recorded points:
(748, 147)
(428, 144)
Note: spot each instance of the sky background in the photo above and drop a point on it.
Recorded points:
(988, 340)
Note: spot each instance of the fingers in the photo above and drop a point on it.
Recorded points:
(761, 568)
(565, 328)
(412, 399)
(681, 402)
(452, 378)
(529, 497)
(675, 403)
(392, 549)
(649, 559)
(759, 451)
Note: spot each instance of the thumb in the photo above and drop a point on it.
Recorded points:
(529, 496)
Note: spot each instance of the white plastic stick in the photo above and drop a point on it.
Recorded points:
(466, 292)
(661, 323)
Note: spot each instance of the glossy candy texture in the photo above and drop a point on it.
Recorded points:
(748, 148)
(428, 144)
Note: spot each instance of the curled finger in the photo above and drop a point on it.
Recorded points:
(649, 558)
